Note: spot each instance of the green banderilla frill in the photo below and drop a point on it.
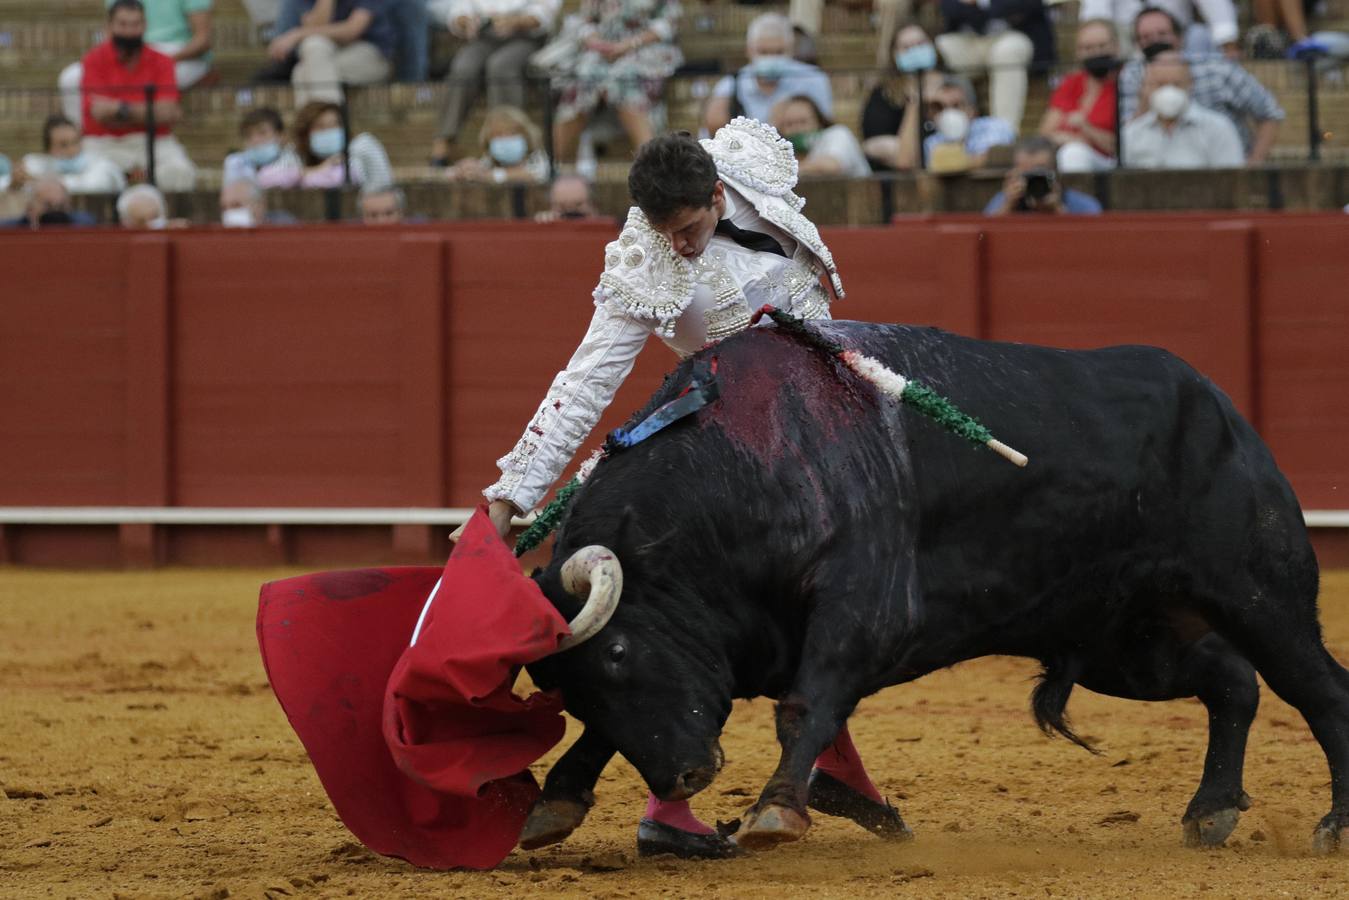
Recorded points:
(546, 521)
(944, 413)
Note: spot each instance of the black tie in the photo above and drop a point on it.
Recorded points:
(754, 240)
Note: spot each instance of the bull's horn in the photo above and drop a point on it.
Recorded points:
(595, 571)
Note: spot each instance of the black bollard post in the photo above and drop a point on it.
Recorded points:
(150, 133)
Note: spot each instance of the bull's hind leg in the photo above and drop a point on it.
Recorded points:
(1173, 658)
(1285, 645)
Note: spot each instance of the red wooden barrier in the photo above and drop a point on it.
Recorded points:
(339, 366)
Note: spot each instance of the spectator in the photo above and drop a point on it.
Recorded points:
(264, 157)
(1219, 85)
(1081, 116)
(82, 172)
(1177, 132)
(627, 52)
(1000, 37)
(965, 135)
(142, 207)
(883, 115)
(822, 147)
(1032, 185)
(1218, 30)
(317, 159)
(1280, 21)
(323, 44)
(570, 197)
(411, 20)
(384, 206)
(49, 206)
(510, 148)
(501, 35)
(771, 76)
(116, 75)
(808, 17)
(179, 29)
(243, 204)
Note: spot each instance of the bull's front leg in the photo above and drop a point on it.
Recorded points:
(568, 792)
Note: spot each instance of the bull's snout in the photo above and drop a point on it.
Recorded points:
(691, 781)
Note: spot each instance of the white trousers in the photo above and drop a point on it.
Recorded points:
(1079, 156)
(1004, 56)
(186, 72)
(174, 171)
(324, 67)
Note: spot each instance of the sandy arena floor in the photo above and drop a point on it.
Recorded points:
(143, 755)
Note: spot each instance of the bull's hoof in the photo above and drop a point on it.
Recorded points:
(1331, 835)
(770, 826)
(656, 839)
(834, 798)
(1212, 829)
(551, 821)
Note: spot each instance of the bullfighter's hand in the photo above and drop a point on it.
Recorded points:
(500, 512)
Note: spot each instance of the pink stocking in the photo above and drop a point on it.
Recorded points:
(841, 760)
(675, 813)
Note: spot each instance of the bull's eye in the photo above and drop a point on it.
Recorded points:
(617, 652)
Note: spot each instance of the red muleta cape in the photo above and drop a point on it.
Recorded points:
(422, 748)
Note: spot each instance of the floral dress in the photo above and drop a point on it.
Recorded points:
(635, 80)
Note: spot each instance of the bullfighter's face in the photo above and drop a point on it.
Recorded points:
(690, 229)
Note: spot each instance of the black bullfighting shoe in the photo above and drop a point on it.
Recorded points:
(834, 798)
(655, 838)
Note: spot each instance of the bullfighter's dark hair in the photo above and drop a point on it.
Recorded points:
(672, 172)
(133, 5)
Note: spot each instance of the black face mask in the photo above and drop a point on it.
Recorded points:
(1099, 66)
(571, 214)
(1151, 51)
(54, 217)
(128, 45)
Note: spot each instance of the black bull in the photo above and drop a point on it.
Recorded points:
(805, 539)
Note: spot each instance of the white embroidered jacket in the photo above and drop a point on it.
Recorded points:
(646, 287)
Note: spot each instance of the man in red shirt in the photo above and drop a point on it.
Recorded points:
(113, 96)
(1081, 115)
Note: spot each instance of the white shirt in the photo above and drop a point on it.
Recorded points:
(100, 175)
(1200, 139)
(838, 142)
(447, 11)
(584, 388)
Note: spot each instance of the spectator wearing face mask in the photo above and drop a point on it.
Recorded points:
(179, 29)
(48, 206)
(143, 207)
(570, 198)
(771, 76)
(1218, 84)
(1081, 116)
(1213, 28)
(1032, 185)
(81, 171)
(511, 149)
(1177, 132)
(962, 137)
(897, 92)
(316, 161)
(264, 159)
(243, 204)
(116, 112)
(385, 206)
(1003, 38)
(822, 147)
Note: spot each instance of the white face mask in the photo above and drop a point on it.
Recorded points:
(1168, 101)
(159, 223)
(953, 124)
(239, 217)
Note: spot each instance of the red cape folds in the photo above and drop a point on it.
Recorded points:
(424, 750)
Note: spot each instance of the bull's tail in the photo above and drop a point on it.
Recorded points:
(1049, 700)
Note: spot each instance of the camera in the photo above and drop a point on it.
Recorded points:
(1039, 183)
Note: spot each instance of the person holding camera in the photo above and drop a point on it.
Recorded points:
(1032, 185)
